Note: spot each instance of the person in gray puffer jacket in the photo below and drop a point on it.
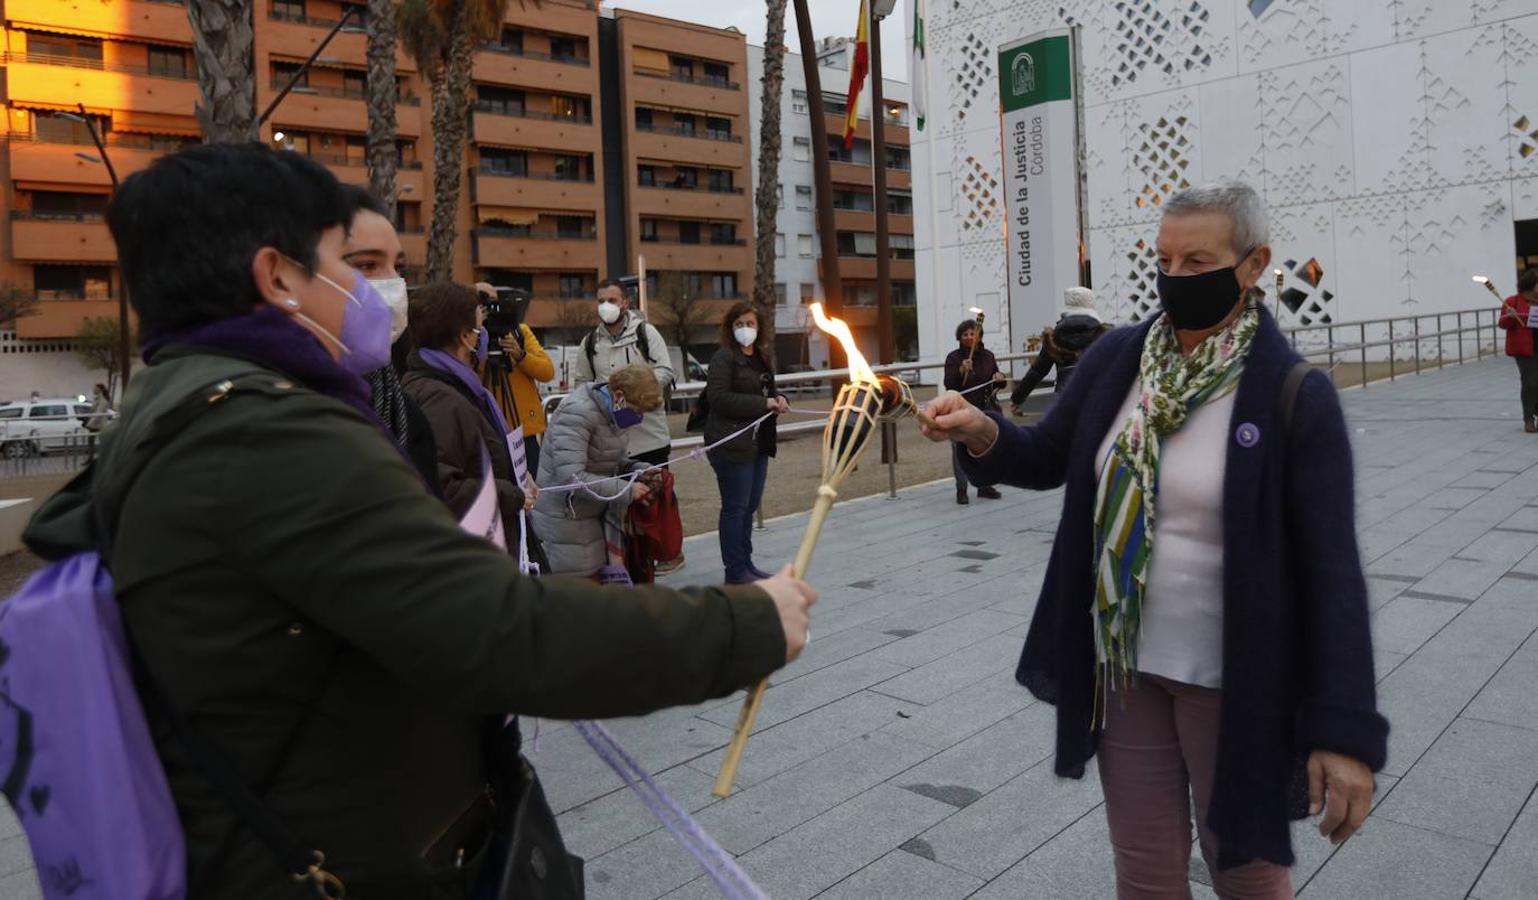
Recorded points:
(585, 442)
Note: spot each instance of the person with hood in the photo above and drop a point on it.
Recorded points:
(374, 248)
(622, 338)
(585, 443)
(966, 368)
(294, 596)
(1078, 326)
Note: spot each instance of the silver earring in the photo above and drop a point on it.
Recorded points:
(291, 303)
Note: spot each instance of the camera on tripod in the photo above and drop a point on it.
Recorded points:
(504, 316)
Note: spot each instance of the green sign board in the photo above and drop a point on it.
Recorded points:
(1034, 73)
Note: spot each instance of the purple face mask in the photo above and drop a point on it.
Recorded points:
(482, 344)
(365, 337)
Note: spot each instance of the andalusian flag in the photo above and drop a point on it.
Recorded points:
(917, 74)
(857, 72)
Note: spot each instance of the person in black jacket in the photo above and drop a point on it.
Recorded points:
(739, 389)
(1078, 326)
(374, 249)
(966, 368)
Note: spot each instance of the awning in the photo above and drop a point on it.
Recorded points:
(60, 107)
(72, 187)
(155, 123)
(58, 29)
(647, 58)
(512, 215)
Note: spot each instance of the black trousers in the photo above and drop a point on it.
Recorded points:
(1528, 367)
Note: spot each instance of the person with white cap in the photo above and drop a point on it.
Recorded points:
(1078, 326)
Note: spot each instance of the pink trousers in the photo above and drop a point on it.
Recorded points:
(1158, 750)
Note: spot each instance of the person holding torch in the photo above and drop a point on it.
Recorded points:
(1518, 319)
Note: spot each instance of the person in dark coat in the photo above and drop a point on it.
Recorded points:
(374, 248)
(1062, 346)
(967, 369)
(740, 388)
(295, 594)
(1219, 653)
(466, 420)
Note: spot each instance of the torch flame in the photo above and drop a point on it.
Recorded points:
(859, 369)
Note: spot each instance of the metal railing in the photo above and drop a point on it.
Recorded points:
(701, 187)
(296, 18)
(701, 80)
(76, 62)
(703, 134)
(28, 447)
(493, 108)
(342, 93)
(562, 58)
(504, 232)
(483, 169)
(42, 215)
(698, 242)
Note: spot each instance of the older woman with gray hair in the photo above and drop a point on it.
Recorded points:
(1203, 624)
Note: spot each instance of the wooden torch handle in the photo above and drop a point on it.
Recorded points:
(723, 788)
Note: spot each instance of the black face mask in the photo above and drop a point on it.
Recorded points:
(1199, 302)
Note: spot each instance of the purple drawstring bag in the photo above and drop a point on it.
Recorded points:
(76, 758)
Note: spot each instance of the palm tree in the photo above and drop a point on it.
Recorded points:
(441, 36)
(381, 152)
(224, 44)
(769, 167)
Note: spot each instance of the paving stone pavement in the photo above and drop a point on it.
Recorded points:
(897, 758)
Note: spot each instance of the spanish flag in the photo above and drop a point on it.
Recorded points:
(857, 72)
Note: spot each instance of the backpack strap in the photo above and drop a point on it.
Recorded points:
(1290, 388)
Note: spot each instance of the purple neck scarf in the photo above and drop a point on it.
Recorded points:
(270, 337)
(447, 364)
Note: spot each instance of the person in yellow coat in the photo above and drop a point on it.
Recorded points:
(523, 363)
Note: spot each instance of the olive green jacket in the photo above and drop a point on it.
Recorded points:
(278, 554)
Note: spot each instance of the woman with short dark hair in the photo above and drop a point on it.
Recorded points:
(467, 425)
(739, 389)
(967, 369)
(294, 594)
(1522, 342)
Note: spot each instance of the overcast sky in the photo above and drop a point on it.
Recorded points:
(830, 18)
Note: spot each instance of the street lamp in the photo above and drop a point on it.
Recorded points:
(347, 13)
(125, 354)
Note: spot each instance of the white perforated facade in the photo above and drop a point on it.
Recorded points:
(1395, 141)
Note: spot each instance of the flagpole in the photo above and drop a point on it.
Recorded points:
(886, 339)
(934, 189)
(822, 179)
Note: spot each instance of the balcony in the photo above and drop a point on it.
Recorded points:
(62, 317)
(535, 192)
(861, 174)
(503, 66)
(334, 108)
(60, 237)
(562, 59)
(510, 248)
(533, 130)
(676, 145)
(153, 21)
(37, 159)
(700, 133)
(666, 201)
(894, 133)
(863, 268)
(651, 87)
(63, 81)
(735, 256)
(865, 220)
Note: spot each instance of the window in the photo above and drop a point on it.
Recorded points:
(803, 196)
(648, 230)
(686, 177)
(835, 105)
(10, 412)
(694, 283)
(723, 285)
(779, 193)
(898, 158)
(408, 216)
(168, 62)
(643, 118)
(355, 84)
(504, 162)
(569, 168)
(721, 181)
(406, 152)
(501, 101)
(578, 109)
(798, 102)
(720, 129)
(856, 201)
(804, 245)
(48, 412)
(779, 293)
(71, 282)
(685, 122)
(565, 49)
(717, 74)
(688, 232)
(899, 204)
(512, 40)
(356, 151)
(64, 131)
(569, 227)
(779, 246)
(682, 67)
(646, 176)
(723, 233)
(901, 245)
(288, 10)
(808, 294)
(52, 45)
(801, 149)
(67, 204)
(573, 286)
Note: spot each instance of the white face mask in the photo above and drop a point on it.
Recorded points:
(745, 335)
(393, 290)
(608, 312)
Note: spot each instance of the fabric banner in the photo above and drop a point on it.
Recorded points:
(483, 519)
(1041, 177)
